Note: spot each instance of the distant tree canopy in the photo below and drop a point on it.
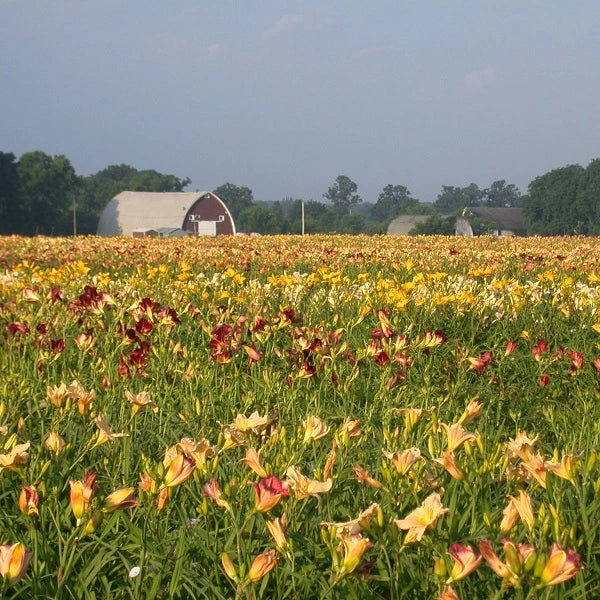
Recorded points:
(42, 194)
(236, 198)
(342, 194)
(394, 200)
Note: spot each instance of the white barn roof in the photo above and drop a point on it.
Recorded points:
(129, 211)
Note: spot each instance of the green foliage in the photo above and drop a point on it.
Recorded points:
(452, 198)
(9, 189)
(342, 194)
(435, 224)
(499, 194)
(552, 205)
(394, 200)
(236, 198)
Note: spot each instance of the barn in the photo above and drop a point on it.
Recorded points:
(195, 213)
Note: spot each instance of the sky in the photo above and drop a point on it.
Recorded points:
(283, 96)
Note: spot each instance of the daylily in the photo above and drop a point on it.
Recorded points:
(28, 501)
(276, 528)
(536, 467)
(521, 507)
(456, 436)
(55, 443)
(472, 411)
(199, 452)
(353, 547)
(448, 461)
(179, 470)
(252, 459)
(254, 423)
(422, 518)
(448, 594)
(349, 428)
(363, 475)
(139, 401)
(82, 493)
(356, 525)
(562, 564)
(521, 446)
(105, 432)
(213, 491)
(15, 458)
(268, 493)
(13, 562)
(121, 499)
(261, 565)
(304, 487)
(56, 394)
(403, 461)
(465, 560)
(501, 569)
(564, 469)
(314, 429)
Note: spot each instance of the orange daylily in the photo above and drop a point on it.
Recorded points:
(252, 459)
(465, 560)
(353, 547)
(261, 565)
(121, 499)
(448, 461)
(13, 562)
(562, 564)
(82, 493)
(28, 501)
(268, 493)
(179, 470)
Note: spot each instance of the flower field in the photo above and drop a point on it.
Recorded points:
(287, 417)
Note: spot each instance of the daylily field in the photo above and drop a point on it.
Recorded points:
(289, 417)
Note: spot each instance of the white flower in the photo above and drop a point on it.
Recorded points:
(134, 572)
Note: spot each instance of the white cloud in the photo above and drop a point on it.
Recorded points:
(476, 81)
(286, 24)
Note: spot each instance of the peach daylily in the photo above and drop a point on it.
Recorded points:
(356, 525)
(456, 436)
(304, 487)
(179, 470)
(277, 528)
(563, 469)
(448, 461)
(422, 518)
(501, 569)
(56, 394)
(352, 549)
(121, 499)
(213, 491)
(314, 429)
(349, 428)
(252, 459)
(404, 461)
(199, 452)
(521, 507)
(261, 565)
(448, 593)
(254, 423)
(465, 561)
(105, 432)
(521, 447)
(15, 458)
(14, 561)
(55, 443)
(139, 401)
(563, 564)
(536, 467)
(363, 475)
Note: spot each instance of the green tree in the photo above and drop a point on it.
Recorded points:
(394, 200)
(551, 204)
(47, 185)
(257, 219)
(435, 224)
(500, 194)
(342, 194)
(95, 191)
(236, 198)
(9, 189)
(452, 198)
(587, 200)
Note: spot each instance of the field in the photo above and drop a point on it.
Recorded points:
(287, 417)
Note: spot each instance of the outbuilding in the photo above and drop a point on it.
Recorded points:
(195, 213)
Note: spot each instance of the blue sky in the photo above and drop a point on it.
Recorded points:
(284, 96)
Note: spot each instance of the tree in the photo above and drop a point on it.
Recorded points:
(9, 189)
(236, 198)
(342, 194)
(587, 200)
(95, 191)
(453, 199)
(394, 200)
(551, 204)
(501, 195)
(257, 219)
(435, 224)
(46, 193)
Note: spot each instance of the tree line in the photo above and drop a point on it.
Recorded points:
(42, 194)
